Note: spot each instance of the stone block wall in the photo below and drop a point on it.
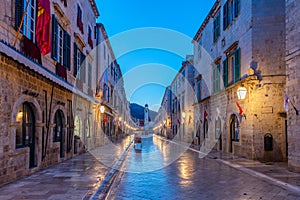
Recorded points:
(293, 81)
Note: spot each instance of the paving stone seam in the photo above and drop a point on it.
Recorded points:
(106, 183)
(112, 191)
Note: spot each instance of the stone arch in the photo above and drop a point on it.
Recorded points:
(33, 101)
(34, 153)
(64, 112)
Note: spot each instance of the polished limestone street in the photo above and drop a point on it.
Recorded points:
(151, 174)
(160, 169)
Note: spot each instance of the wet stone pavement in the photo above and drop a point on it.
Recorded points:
(76, 178)
(188, 177)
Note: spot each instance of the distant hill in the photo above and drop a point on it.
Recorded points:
(137, 112)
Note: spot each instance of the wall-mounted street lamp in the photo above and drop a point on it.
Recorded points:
(241, 92)
(183, 115)
(102, 109)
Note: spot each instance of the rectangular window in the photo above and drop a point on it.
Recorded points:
(61, 42)
(232, 68)
(79, 19)
(231, 10)
(217, 27)
(216, 78)
(29, 20)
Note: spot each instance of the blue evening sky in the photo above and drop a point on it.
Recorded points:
(150, 40)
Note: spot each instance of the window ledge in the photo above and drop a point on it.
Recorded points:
(79, 39)
(61, 13)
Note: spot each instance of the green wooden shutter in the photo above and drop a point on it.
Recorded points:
(237, 7)
(218, 77)
(83, 68)
(225, 72)
(237, 65)
(19, 9)
(75, 60)
(54, 37)
(225, 15)
(67, 50)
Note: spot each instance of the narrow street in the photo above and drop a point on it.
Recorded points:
(189, 177)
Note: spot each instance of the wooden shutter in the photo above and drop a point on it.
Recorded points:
(75, 60)
(67, 50)
(83, 68)
(237, 7)
(225, 15)
(54, 37)
(225, 72)
(237, 65)
(19, 9)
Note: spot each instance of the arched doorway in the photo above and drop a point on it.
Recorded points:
(25, 131)
(58, 133)
(234, 131)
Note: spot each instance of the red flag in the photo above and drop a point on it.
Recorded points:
(240, 108)
(178, 120)
(205, 115)
(42, 32)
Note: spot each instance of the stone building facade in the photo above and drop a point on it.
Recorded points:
(48, 104)
(175, 116)
(240, 45)
(293, 82)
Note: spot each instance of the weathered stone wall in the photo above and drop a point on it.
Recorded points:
(14, 79)
(293, 81)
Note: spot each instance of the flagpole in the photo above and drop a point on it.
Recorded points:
(21, 24)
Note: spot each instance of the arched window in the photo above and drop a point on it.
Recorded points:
(77, 128)
(59, 122)
(234, 128)
(25, 131)
(87, 128)
(218, 128)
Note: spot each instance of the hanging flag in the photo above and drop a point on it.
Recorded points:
(205, 115)
(178, 120)
(240, 109)
(286, 102)
(42, 32)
